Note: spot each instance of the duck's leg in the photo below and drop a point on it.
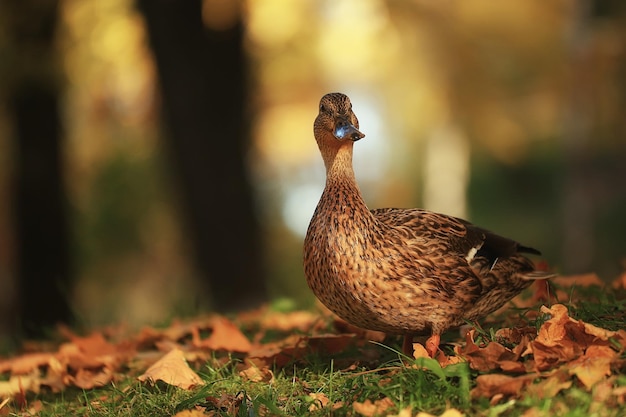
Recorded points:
(432, 345)
(407, 345)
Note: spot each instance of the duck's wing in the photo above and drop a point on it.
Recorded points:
(481, 248)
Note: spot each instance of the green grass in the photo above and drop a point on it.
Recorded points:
(349, 377)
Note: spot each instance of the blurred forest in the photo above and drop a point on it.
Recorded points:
(157, 157)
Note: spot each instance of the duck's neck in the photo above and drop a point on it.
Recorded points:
(339, 166)
(342, 190)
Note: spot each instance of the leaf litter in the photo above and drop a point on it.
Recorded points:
(543, 353)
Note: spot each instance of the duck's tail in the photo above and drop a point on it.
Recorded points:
(538, 275)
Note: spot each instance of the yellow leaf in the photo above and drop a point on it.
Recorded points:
(370, 409)
(173, 370)
(256, 374)
(320, 400)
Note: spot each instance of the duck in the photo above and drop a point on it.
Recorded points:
(401, 271)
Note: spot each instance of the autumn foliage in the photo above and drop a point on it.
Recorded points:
(546, 352)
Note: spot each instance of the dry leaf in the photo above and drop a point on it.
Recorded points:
(489, 357)
(563, 339)
(594, 365)
(494, 384)
(320, 400)
(295, 320)
(330, 344)
(20, 384)
(534, 412)
(405, 412)
(172, 369)
(419, 351)
(225, 336)
(87, 379)
(256, 374)
(620, 282)
(370, 409)
(25, 364)
(190, 413)
(451, 412)
(278, 353)
(550, 386)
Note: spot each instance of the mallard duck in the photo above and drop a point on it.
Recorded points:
(400, 271)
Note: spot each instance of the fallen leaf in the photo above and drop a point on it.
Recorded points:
(278, 353)
(551, 385)
(256, 374)
(87, 378)
(370, 409)
(25, 364)
(489, 358)
(295, 320)
(493, 384)
(563, 339)
(620, 282)
(534, 412)
(190, 413)
(515, 335)
(405, 412)
(419, 351)
(225, 336)
(228, 403)
(594, 365)
(330, 344)
(20, 384)
(451, 412)
(173, 370)
(320, 400)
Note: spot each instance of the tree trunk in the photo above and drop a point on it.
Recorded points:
(43, 266)
(202, 76)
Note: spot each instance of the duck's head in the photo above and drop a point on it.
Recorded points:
(336, 121)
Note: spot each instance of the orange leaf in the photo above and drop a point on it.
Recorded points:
(489, 357)
(594, 365)
(87, 379)
(256, 374)
(564, 339)
(551, 386)
(278, 353)
(620, 282)
(496, 384)
(173, 370)
(25, 364)
(226, 336)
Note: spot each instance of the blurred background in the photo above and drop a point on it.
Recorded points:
(157, 157)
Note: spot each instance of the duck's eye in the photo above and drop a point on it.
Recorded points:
(323, 108)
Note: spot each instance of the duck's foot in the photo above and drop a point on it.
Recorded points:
(407, 345)
(432, 345)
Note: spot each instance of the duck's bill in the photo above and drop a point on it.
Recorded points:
(345, 130)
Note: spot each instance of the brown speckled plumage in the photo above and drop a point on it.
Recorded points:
(400, 271)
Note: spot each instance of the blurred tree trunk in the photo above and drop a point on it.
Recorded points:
(203, 78)
(41, 228)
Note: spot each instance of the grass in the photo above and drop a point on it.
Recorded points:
(322, 386)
